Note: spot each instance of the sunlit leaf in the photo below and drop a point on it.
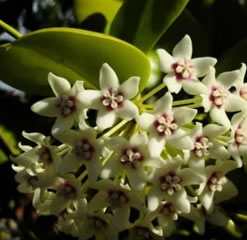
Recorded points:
(72, 53)
(143, 22)
(85, 8)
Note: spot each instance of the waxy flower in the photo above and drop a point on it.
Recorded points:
(65, 106)
(238, 143)
(131, 156)
(182, 71)
(205, 145)
(117, 197)
(85, 149)
(168, 184)
(112, 100)
(217, 184)
(164, 125)
(218, 99)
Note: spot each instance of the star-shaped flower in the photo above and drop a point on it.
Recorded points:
(131, 156)
(117, 197)
(182, 71)
(205, 145)
(168, 184)
(217, 184)
(238, 143)
(164, 125)
(218, 99)
(85, 150)
(113, 100)
(65, 106)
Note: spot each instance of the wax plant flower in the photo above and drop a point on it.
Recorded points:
(146, 159)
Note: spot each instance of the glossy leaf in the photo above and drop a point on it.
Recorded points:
(85, 8)
(233, 58)
(72, 53)
(143, 22)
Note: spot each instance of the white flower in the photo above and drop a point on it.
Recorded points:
(65, 106)
(168, 184)
(131, 156)
(238, 143)
(119, 198)
(112, 100)
(217, 184)
(205, 145)
(182, 71)
(218, 99)
(164, 125)
(85, 150)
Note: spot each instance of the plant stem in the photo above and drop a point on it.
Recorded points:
(114, 129)
(185, 101)
(152, 92)
(12, 31)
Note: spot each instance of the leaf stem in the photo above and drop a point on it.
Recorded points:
(152, 92)
(12, 31)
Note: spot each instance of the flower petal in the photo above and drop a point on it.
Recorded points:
(202, 65)
(191, 177)
(209, 80)
(93, 167)
(91, 98)
(227, 79)
(194, 87)
(129, 111)
(105, 119)
(138, 139)
(59, 85)
(184, 115)
(111, 168)
(235, 103)
(136, 179)
(98, 202)
(154, 199)
(166, 60)
(181, 141)
(46, 107)
(206, 199)
(121, 217)
(164, 104)
(130, 87)
(62, 124)
(173, 85)
(213, 130)
(68, 164)
(145, 121)
(155, 146)
(218, 115)
(229, 191)
(181, 201)
(183, 49)
(108, 78)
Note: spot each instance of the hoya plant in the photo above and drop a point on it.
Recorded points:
(142, 137)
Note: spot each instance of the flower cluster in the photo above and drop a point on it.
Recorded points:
(145, 162)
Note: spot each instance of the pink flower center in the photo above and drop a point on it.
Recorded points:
(45, 156)
(184, 70)
(66, 190)
(240, 136)
(131, 158)
(169, 210)
(201, 147)
(216, 182)
(165, 125)
(243, 92)
(117, 198)
(66, 105)
(112, 99)
(83, 149)
(217, 97)
(170, 183)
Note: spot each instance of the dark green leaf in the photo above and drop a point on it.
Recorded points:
(143, 22)
(72, 53)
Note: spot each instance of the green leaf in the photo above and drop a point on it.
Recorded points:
(71, 53)
(233, 58)
(3, 157)
(143, 22)
(85, 8)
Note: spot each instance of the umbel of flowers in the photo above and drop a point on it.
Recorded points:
(147, 161)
